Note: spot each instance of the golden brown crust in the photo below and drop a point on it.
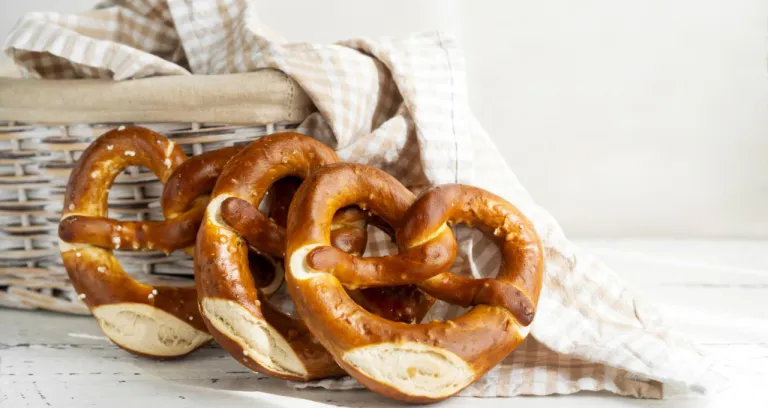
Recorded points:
(194, 179)
(261, 233)
(107, 156)
(368, 187)
(183, 201)
(89, 236)
(480, 339)
(97, 275)
(103, 232)
(518, 283)
(405, 304)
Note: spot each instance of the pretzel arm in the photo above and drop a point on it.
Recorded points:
(355, 272)
(108, 233)
(465, 291)
(412, 266)
(259, 231)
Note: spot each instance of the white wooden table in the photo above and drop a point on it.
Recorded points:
(716, 291)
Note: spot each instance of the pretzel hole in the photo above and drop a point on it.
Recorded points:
(484, 244)
(262, 270)
(277, 199)
(406, 303)
(264, 274)
(479, 243)
(476, 242)
(135, 196)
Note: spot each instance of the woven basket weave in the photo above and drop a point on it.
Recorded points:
(35, 161)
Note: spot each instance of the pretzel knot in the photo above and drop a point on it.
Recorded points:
(249, 328)
(155, 321)
(419, 362)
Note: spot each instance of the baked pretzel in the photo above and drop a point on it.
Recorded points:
(153, 321)
(255, 332)
(419, 362)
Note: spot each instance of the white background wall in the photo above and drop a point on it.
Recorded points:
(623, 118)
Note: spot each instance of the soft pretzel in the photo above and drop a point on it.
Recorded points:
(252, 330)
(419, 362)
(239, 317)
(156, 321)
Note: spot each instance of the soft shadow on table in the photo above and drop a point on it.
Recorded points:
(213, 369)
(208, 377)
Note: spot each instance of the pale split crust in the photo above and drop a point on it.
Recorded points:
(258, 339)
(148, 330)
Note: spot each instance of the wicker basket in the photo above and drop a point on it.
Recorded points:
(35, 164)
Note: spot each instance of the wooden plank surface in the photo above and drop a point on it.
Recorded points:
(715, 291)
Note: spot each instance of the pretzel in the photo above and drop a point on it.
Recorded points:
(153, 321)
(249, 328)
(420, 362)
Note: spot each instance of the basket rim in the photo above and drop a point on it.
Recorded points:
(259, 97)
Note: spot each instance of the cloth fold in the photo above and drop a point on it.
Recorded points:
(400, 105)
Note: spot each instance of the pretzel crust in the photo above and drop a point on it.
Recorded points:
(156, 321)
(421, 362)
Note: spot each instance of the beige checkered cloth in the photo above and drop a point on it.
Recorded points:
(400, 105)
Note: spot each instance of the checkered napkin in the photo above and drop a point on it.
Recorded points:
(400, 105)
